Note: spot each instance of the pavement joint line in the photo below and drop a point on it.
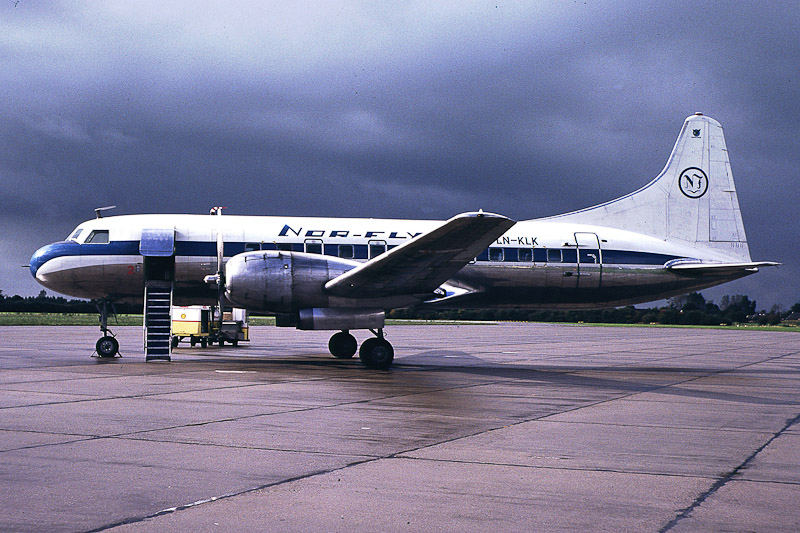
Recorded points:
(253, 448)
(79, 438)
(183, 507)
(134, 396)
(122, 397)
(656, 426)
(132, 437)
(768, 482)
(548, 467)
(726, 478)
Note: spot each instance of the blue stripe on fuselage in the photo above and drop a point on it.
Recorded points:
(209, 249)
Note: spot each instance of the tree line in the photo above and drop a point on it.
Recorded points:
(43, 303)
(689, 309)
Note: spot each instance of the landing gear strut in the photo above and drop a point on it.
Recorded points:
(107, 346)
(376, 352)
(343, 345)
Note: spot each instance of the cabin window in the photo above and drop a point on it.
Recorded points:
(284, 246)
(553, 255)
(98, 236)
(495, 254)
(540, 255)
(313, 246)
(376, 248)
(75, 235)
(525, 255)
(346, 251)
(251, 246)
(569, 255)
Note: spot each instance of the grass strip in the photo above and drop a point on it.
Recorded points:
(91, 319)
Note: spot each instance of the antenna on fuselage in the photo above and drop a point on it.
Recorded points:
(99, 210)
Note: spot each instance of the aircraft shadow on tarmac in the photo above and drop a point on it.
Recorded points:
(622, 379)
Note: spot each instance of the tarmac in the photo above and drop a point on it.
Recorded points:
(507, 427)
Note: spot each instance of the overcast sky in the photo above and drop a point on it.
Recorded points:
(388, 109)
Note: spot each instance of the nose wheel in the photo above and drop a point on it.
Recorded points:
(107, 345)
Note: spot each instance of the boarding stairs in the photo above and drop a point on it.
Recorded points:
(157, 320)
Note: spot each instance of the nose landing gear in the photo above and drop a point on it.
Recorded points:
(107, 345)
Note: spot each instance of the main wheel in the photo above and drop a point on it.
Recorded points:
(343, 345)
(376, 353)
(175, 341)
(107, 346)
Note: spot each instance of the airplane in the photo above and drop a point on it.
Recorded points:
(681, 232)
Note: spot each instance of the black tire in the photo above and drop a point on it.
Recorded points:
(175, 341)
(107, 346)
(192, 340)
(203, 342)
(376, 353)
(343, 345)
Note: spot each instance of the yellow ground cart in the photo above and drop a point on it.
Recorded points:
(200, 323)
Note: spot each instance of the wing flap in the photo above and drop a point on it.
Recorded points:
(419, 266)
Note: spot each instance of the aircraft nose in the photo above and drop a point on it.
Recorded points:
(39, 258)
(48, 253)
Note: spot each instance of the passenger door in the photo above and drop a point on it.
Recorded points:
(590, 260)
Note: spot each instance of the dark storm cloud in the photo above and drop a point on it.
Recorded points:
(407, 110)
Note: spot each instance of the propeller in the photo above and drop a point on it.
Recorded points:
(219, 277)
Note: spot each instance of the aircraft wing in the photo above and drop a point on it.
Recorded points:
(422, 264)
(695, 268)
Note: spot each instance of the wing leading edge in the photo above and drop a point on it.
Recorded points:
(421, 265)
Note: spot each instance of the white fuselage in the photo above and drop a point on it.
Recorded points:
(536, 264)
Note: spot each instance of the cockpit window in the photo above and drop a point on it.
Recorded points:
(75, 235)
(98, 236)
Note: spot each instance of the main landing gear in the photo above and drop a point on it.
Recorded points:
(343, 345)
(375, 352)
(107, 345)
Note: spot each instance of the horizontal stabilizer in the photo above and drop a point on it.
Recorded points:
(421, 265)
(695, 268)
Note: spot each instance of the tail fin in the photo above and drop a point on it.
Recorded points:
(692, 201)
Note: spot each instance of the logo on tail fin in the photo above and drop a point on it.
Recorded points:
(693, 182)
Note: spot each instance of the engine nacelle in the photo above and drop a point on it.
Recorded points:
(281, 282)
(343, 319)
